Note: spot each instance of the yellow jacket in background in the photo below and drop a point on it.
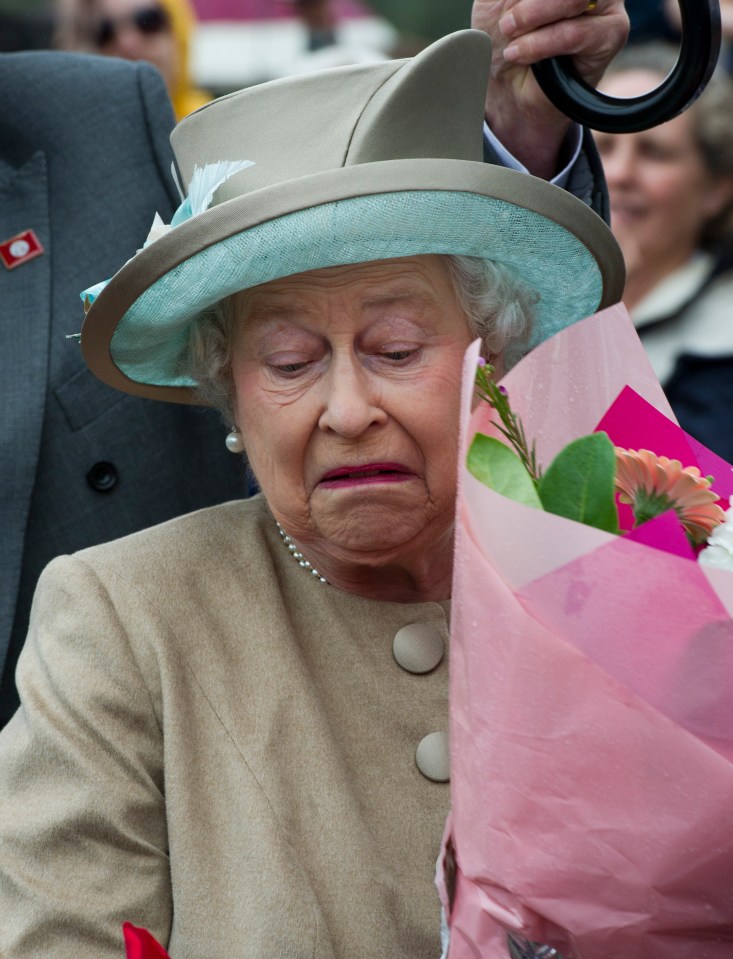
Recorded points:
(185, 96)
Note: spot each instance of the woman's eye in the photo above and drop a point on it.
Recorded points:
(290, 369)
(397, 356)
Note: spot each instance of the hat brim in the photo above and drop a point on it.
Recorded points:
(136, 333)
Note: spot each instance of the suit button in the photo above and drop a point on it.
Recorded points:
(102, 477)
(418, 647)
(432, 757)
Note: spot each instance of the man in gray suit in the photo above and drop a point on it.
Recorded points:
(84, 164)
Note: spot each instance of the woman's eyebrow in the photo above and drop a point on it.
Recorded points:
(395, 297)
(283, 310)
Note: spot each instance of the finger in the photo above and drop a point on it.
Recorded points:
(568, 37)
(526, 16)
(593, 42)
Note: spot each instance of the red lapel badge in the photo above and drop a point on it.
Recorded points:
(19, 249)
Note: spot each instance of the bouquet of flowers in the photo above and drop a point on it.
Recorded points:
(591, 680)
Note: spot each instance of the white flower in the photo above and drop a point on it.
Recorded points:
(719, 551)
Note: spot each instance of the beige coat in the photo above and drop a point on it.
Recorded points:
(218, 747)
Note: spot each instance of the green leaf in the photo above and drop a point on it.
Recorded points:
(579, 483)
(499, 468)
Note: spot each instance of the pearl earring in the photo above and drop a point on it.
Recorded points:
(234, 441)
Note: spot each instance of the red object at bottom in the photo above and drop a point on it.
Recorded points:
(140, 944)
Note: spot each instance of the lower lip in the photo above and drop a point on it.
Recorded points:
(378, 479)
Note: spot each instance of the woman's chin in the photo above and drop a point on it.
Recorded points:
(370, 526)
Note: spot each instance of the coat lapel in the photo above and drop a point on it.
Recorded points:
(24, 330)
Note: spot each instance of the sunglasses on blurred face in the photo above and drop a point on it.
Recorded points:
(147, 21)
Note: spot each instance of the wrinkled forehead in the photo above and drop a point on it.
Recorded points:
(420, 279)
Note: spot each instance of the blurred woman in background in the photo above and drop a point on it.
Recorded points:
(671, 193)
(158, 31)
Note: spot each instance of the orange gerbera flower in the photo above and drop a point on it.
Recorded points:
(652, 484)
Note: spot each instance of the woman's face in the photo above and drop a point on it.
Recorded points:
(137, 30)
(660, 191)
(347, 385)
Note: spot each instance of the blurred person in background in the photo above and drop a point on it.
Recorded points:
(158, 31)
(319, 19)
(325, 45)
(671, 192)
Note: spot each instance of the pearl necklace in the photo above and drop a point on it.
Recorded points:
(298, 556)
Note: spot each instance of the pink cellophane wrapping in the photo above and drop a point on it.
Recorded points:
(591, 696)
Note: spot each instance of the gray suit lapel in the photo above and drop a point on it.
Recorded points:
(24, 330)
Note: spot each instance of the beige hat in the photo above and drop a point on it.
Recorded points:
(348, 165)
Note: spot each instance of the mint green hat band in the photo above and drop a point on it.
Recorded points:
(151, 341)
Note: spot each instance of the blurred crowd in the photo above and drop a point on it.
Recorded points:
(163, 32)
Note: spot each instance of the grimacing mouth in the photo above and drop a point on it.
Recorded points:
(365, 471)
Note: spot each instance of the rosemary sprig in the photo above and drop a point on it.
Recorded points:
(511, 426)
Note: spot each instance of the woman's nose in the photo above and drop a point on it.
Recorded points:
(351, 403)
(129, 43)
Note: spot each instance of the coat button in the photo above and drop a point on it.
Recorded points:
(432, 757)
(418, 647)
(102, 477)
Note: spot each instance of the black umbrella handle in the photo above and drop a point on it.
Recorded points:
(699, 51)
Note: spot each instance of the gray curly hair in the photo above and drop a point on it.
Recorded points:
(499, 308)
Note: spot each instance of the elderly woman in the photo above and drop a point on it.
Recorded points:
(233, 725)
